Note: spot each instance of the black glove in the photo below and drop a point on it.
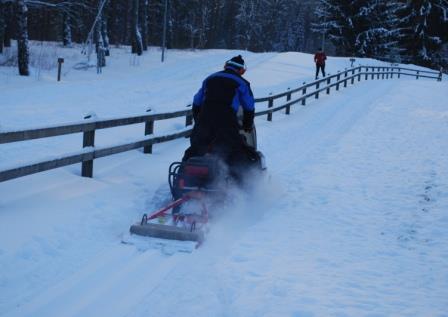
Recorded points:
(248, 120)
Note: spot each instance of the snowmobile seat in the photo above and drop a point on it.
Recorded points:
(198, 173)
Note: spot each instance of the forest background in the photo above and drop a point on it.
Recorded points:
(397, 31)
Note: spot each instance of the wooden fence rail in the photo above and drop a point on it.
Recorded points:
(88, 128)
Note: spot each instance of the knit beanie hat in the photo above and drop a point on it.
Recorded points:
(236, 62)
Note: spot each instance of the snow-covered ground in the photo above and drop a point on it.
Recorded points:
(351, 222)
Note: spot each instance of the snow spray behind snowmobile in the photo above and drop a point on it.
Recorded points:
(194, 183)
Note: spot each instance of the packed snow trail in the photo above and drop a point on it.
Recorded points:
(111, 284)
(351, 223)
(359, 229)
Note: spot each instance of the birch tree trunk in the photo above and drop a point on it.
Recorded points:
(67, 30)
(137, 46)
(22, 38)
(143, 22)
(105, 36)
(99, 44)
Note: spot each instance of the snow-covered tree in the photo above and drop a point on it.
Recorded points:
(143, 23)
(22, 11)
(2, 26)
(292, 29)
(104, 29)
(380, 29)
(7, 16)
(248, 23)
(66, 30)
(378, 34)
(137, 46)
(424, 30)
(339, 22)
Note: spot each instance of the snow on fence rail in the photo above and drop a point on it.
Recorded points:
(89, 153)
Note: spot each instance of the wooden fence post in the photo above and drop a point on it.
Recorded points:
(328, 84)
(378, 73)
(337, 81)
(304, 93)
(418, 72)
(316, 95)
(149, 129)
(391, 73)
(288, 98)
(345, 78)
(440, 74)
(189, 119)
(353, 77)
(367, 70)
(359, 73)
(88, 140)
(270, 105)
(373, 72)
(382, 72)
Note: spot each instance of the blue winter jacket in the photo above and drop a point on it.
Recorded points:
(225, 87)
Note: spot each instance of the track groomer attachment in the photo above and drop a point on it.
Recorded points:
(185, 218)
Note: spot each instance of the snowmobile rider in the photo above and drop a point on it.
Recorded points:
(215, 108)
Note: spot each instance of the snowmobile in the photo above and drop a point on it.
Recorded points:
(194, 185)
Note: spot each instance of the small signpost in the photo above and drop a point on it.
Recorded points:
(352, 61)
(60, 62)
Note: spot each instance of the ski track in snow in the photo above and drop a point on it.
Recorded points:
(350, 222)
(113, 283)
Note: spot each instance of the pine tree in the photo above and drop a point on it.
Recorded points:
(274, 16)
(2, 26)
(378, 34)
(215, 34)
(248, 25)
(226, 33)
(205, 23)
(338, 21)
(292, 35)
(8, 18)
(66, 30)
(424, 30)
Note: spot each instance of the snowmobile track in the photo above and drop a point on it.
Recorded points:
(124, 276)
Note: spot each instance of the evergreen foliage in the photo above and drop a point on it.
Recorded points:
(414, 31)
(2, 26)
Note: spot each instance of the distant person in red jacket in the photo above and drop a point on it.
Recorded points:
(319, 59)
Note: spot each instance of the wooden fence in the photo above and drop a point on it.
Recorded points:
(89, 153)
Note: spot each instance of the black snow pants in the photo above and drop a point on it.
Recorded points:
(320, 67)
(217, 132)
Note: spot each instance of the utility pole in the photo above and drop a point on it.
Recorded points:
(165, 15)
